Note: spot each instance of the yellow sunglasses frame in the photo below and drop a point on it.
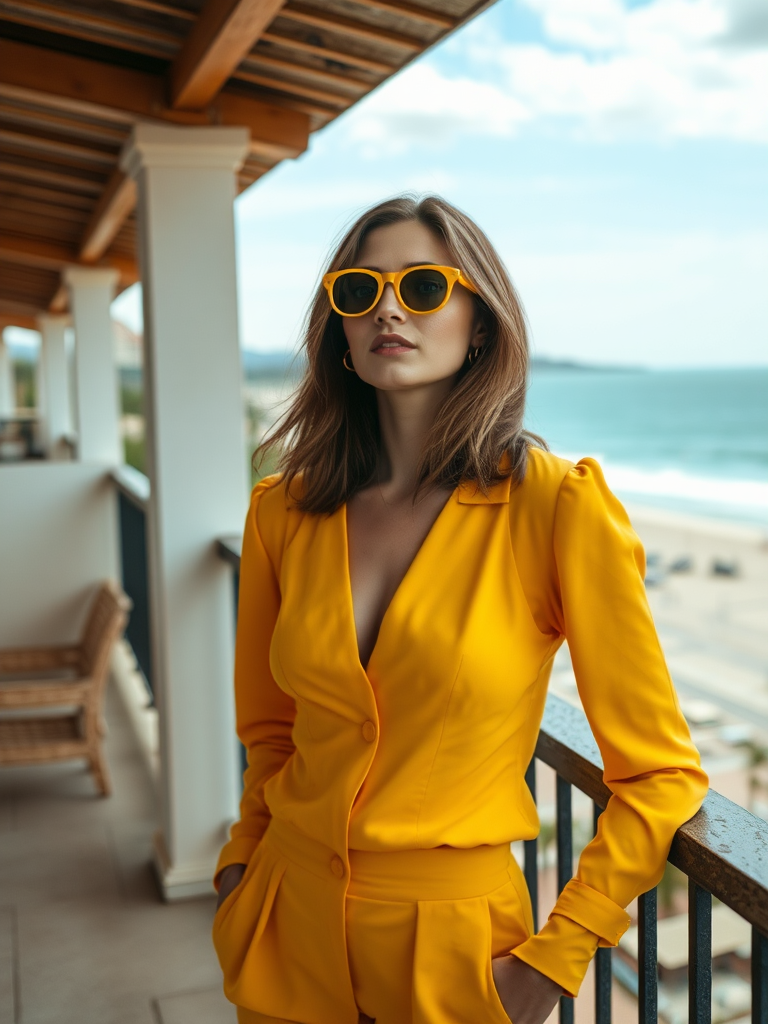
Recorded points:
(452, 275)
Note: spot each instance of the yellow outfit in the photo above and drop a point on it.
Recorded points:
(379, 803)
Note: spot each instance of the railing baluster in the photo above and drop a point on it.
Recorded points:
(564, 864)
(759, 978)
(699, 954)
(531, 854)
(647, 954)
(603, 979)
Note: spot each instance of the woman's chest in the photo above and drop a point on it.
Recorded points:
(383, 541)
(458, 620)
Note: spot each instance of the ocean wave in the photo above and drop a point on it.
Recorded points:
(674, 483)
(676, 487)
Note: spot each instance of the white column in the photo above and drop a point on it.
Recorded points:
(53, 385)
(7, 382)
(91, 291)
(193, 402)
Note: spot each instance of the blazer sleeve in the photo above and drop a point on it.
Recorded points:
(264, 713)
(650, 763)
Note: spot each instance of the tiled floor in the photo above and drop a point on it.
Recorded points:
(84, 937)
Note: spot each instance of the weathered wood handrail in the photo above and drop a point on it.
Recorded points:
(723, 848)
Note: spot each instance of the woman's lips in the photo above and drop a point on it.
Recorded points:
(391, 345)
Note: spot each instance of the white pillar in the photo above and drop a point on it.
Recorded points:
(91, 291)
(193, 402)
(53, 385)
(7, 382)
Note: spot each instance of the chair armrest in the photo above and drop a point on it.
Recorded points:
(19, 660)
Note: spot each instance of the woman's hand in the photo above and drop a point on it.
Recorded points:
(231, 877)
(527, 995)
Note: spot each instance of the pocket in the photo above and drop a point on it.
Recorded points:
(501, 1013)
(452, 972)
(241, 919)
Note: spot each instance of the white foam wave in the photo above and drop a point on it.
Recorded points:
(749, 495)
(673, 483)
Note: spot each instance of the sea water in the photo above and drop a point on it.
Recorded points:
(689, 440)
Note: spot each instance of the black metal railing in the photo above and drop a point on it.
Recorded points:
(132, 498)
(723, 851)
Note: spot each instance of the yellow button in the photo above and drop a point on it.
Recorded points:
(369, 731)
(337, 867)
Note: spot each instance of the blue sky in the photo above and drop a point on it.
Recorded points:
(616, 154)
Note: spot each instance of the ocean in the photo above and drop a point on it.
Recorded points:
(693, 441)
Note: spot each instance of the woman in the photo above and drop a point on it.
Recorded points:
(406, 581)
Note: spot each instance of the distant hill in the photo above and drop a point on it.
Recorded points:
(278, 364)
(275, 364)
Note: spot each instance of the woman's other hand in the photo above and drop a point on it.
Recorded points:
(527, 995)
(231, 877)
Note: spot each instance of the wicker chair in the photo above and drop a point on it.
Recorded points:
(51, 698)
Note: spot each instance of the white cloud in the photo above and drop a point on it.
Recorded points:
(694, 69)
(423, 106)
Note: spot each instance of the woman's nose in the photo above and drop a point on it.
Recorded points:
(389, 308)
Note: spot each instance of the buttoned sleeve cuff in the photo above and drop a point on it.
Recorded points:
(581, 920)
(236, 851)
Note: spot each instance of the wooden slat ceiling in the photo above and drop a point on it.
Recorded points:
(76, 76)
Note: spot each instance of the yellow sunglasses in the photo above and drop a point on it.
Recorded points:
(423, 289)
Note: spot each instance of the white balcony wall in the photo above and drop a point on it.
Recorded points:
(58, 539)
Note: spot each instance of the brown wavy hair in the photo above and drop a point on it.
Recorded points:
(329, 437)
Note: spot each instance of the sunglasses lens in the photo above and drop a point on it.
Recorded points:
(355, 293)
(423, 290)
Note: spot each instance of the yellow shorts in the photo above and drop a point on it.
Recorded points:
(405, 937)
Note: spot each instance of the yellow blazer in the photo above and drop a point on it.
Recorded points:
(429, 745)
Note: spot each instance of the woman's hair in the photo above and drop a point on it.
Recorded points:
(329, 436)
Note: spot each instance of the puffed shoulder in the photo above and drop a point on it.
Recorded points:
(272, 515)
(591, 518)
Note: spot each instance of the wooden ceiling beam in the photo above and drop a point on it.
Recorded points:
(93, 86)
(81, 25)
(220, 38)
(169, 10)
(55, 148)
(49, 256)
(333, 78)
(48, 197)
(44, 120)
(60, 301)
(34, 208)
(116, 203)
(68, 182)
(404, 10)
(353, 29)
(292, 88)
(26, 320)
(338, 56)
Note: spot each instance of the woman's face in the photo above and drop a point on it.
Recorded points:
(393, 349)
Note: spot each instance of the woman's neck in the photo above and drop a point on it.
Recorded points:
(406, 418)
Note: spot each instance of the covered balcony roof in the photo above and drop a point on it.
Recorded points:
(75, 77)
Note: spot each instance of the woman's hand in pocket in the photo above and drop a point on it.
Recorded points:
(527, 995)
(231, 877)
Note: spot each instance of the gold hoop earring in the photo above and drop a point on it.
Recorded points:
(346, 365)
(473, 354)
